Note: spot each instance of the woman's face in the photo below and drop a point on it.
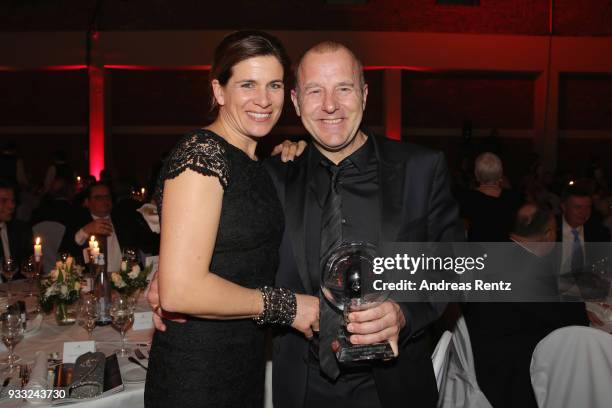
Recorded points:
(252, 100)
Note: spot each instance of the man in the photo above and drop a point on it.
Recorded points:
(350, 186)
(15, 235)
(504, 335)
(575, 228)
(96, 221)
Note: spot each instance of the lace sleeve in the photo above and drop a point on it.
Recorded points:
(200, 152)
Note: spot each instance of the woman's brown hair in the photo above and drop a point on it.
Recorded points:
(240, 46)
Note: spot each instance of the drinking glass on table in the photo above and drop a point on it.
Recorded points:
(28, 270)
(12, 333)
(87, 314)
(122, 314)
(9, 269)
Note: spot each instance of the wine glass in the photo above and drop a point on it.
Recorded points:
(9, 269)
(88, 314)
(122, 314)
(12, 333)
(28, 269)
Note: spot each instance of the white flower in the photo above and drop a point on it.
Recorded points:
(64, 290)
(134, 272)
(117, 280)
(50, 291)
(77, 286)
(123, 266)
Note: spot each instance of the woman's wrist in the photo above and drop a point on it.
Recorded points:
(279, 306)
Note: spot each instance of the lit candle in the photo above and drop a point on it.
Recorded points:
(37, 250)
(95, 251)
(91, 241)
(142, 191)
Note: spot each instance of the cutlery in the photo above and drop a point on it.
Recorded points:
(133, 360)
(140, 354)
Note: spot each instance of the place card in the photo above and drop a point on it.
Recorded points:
(73, 349)
(143, 321)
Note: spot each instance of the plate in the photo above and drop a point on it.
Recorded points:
(131, 373)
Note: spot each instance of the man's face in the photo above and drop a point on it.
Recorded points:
(577, 210)
(7, 204)
(329, 99)
(99, 201)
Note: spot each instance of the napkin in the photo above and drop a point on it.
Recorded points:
(149, 213)
(38, 377)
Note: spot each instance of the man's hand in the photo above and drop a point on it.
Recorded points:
(99, 227)
(289, 150)
(158, 312)
(377, 325)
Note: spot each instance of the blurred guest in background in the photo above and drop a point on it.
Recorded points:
(96, 220)
(16, 236)
(58, 169)
(56, 205)
(11, 166)
(575, 227)
(504, 335)
(489, 209)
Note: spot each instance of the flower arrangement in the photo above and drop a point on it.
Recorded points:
(62, 286)
(130, 278)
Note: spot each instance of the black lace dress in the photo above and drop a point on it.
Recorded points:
(216, 363)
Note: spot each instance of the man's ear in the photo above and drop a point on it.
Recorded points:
(294, 99)
(365, 96)
(218, 92)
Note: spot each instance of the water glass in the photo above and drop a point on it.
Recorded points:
(12, 333)
(122, 315)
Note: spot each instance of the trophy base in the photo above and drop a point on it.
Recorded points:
(347, 352)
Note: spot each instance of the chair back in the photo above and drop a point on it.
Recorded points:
(572, 367)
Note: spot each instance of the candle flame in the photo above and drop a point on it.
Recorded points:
(37, 240)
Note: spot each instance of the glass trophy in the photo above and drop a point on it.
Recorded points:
(342, 284)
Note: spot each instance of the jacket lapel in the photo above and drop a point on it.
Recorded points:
(296, 192)
(391, 195)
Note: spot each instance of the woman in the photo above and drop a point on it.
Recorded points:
(221, 228)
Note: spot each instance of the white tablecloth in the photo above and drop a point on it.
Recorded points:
(51, 338)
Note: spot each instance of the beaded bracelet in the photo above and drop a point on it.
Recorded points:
(280, 306)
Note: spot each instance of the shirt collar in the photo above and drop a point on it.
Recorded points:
(359, 158)
(567, 229)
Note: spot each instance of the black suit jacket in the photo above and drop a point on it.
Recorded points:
(416, 205)
(21, 242)
(79, 220)
(504, 335)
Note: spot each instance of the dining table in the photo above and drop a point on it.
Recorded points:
(49, 337)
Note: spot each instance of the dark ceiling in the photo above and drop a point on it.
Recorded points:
(585, 17)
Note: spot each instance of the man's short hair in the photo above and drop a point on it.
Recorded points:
(94, 185)
(532, 220)
(488, 168)
(329, 46)
(575, 190)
